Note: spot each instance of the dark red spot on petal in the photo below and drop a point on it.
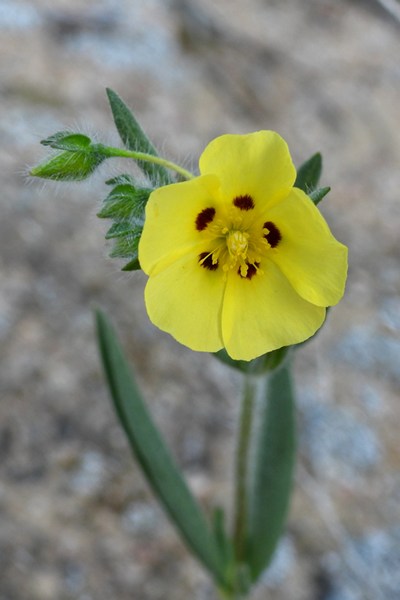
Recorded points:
(205, 260)
(204, 218)
(251, 271)
(273, 236)
(244, 202)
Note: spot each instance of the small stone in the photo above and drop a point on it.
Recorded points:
(89, 478)
(390, 313)
(281, 564)
(141, 518)
(366, 348)
(338, 444)
(18, 15)
(45, 586)
(367, 568)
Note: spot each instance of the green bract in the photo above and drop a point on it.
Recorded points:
(66, 140)
(308, 177)
(125, 206)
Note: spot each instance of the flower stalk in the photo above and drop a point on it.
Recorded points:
(241, 475)
(110, 151)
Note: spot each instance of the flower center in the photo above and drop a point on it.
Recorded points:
(237, 250)
(237, 243)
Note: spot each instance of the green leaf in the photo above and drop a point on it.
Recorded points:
(125, 202)
(273, 454)
(308, 175)
(134, 138)
(224, 543)
(152, 454)
(317, 195)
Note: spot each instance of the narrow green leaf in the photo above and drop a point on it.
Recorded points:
(224, 543)
(309, 173)
(152, 454)
(272, 470)
(134, 138)
(317, 195)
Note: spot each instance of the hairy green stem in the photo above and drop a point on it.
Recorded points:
(242, 459)
(121, 152)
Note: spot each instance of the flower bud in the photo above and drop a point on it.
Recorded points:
(69, 165)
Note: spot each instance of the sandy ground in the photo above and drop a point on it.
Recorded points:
(76, 518)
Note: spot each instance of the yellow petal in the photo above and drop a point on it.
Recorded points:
(185, 300)
(264, 313)
(310, 257)
(170, 226)
(257, 164)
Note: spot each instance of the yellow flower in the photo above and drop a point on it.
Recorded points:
(237, 257)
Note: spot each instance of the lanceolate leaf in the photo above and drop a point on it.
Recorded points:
(224, 543)
(134, 138)
(308, 175)
(152, 454)
(271, 478)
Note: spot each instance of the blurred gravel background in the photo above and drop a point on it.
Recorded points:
(77, 521)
